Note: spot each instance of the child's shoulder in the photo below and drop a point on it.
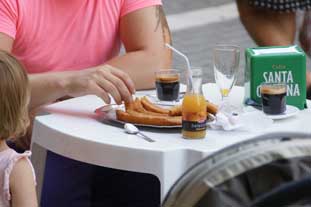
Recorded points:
(22, 172)
(12, 164)
(20, 161)
(10, 157)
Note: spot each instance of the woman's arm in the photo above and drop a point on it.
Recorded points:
(143, 33)
(100, 81)
(22, 185)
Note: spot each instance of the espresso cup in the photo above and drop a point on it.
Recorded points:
(167, 85)
(273, 96)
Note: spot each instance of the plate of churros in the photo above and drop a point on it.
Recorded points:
(142, 112)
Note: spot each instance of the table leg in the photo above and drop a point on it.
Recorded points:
(38, 160)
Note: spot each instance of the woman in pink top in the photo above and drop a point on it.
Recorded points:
(71, 48)
(17, 180)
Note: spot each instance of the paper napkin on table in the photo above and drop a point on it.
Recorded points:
(226, 121)
(250, 121)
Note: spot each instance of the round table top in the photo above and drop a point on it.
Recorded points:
(73, 130)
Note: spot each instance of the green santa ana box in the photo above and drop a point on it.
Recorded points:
(276, 64)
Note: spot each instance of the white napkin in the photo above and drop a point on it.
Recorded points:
(226, 121)
(252, 121)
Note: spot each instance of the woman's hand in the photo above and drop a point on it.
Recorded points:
(100, 81)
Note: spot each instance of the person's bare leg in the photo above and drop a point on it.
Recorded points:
(267, 27)
(305, 44)
(309, 84)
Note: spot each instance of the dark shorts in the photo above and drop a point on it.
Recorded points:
(69, 183)
(282, 5)
(309, 93)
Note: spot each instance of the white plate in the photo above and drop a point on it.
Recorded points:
(290, 111)
(110, 115)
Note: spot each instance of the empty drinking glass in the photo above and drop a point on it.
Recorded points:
(226, 65)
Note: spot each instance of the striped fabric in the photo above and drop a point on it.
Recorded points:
(282, 5)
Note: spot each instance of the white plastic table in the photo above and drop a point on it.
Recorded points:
(73, 131)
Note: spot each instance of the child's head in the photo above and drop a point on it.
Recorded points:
(14, 97)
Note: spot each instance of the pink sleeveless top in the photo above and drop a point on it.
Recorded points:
(58, 35)
(8, 158)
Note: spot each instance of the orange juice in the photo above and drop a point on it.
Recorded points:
(194, 116)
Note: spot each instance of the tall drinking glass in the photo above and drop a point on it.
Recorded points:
(226, 65)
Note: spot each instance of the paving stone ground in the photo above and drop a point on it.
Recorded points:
(179, 6)
(198, 42)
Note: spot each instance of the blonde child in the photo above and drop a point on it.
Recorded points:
(17, 180)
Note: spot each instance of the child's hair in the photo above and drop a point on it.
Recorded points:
(14, 97)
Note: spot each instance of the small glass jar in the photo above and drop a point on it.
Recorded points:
(194, 115)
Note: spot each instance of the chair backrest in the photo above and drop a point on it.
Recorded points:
(251, 173)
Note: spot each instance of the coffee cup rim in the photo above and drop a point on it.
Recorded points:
(273, 84)
(167, 70)
(275, 88)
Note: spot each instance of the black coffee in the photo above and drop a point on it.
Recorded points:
(167, 89)
(273, 100)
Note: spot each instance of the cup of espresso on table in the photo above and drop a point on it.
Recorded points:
(167, 85)
(273, 96)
